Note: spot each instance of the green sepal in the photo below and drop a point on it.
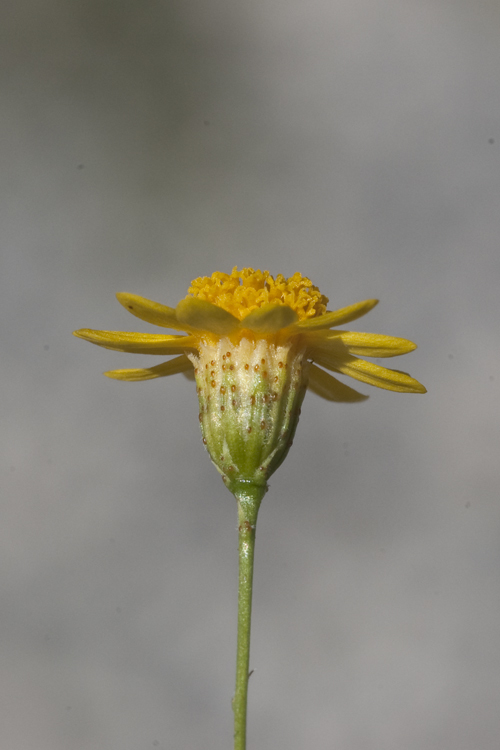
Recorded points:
(250, 396)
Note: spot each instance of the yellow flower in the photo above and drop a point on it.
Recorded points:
(255, 344)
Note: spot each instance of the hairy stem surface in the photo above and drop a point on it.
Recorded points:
(249, 498)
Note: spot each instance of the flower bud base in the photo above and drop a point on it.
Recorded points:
(250, 395)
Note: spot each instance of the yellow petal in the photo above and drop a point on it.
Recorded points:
(172, 367)
(151, 312)
(338, 317)
(367, 372)
(326, 386)
(138, 343)
(201, 315)
(369, 344)
(269, 318)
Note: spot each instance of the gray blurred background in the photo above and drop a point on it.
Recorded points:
(143, 145)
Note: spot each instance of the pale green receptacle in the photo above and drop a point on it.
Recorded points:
(250, 396)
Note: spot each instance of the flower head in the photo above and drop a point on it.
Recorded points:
(256, 343)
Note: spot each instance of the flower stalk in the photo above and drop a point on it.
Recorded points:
(249, 497)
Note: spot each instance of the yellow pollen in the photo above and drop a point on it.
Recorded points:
(240, 292)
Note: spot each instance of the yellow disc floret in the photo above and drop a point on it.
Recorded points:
(240, 292)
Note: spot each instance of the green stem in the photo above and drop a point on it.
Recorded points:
(249, 497)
